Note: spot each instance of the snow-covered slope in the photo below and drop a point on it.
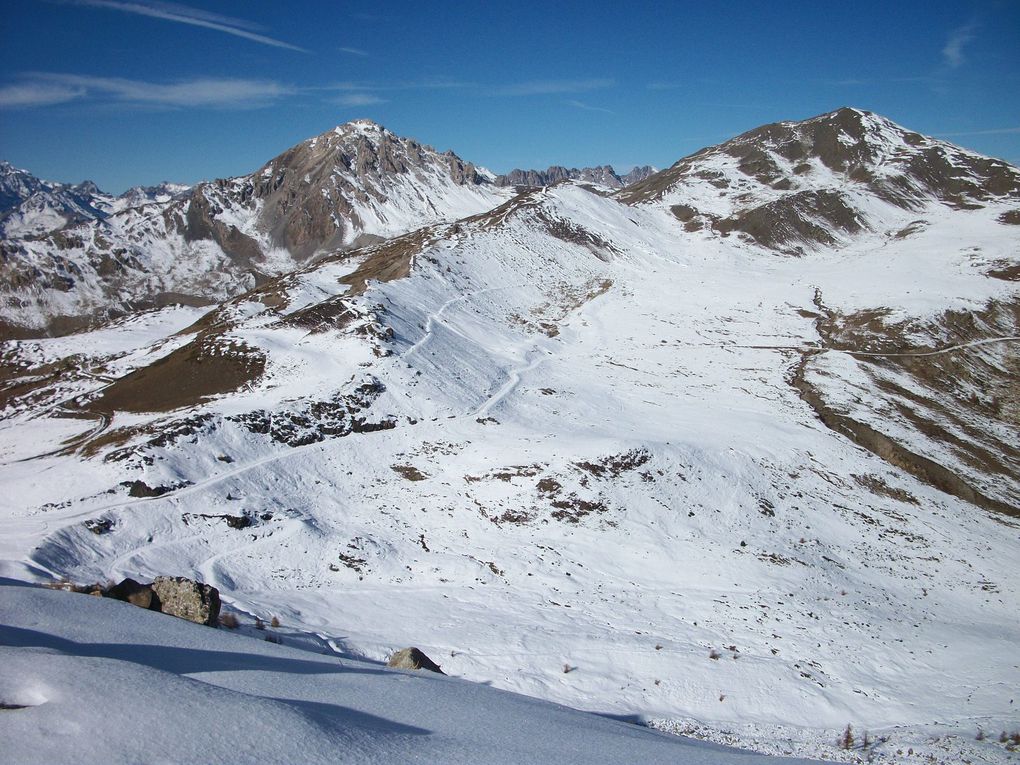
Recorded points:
(352, 185)
(90, 680)
(581, 452)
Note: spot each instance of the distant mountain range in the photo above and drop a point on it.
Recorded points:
(603, 175)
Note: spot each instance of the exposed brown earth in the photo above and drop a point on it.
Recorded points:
(187, 377)
(965, 400)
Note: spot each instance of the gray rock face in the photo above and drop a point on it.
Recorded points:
(188, 599)
(413, 658)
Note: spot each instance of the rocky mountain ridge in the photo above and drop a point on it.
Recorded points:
(792, 186)
(603, 175)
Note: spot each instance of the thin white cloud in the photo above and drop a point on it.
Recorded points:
(184, 14)
(552, 87)
(28, 94)
(358, 99)
(428, 84)
(200, 92)
(353, 51)
(952, 53)
(993, 131)
(588, 108)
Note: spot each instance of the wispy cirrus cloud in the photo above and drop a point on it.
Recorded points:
(185, 14)
(358, 99)
(26, 95)
(44, 89)
(991, 131)
(587, 107)
(553, 87)
(353, 51)
(952, 52)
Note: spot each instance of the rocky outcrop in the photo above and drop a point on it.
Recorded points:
(413, 658)
(188, 599)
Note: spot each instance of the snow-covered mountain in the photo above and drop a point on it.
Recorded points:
(30, 206)
(603, 175)
(596, 449)
(790, 186)
(353, 185)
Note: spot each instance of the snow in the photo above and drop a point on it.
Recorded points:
(101, 681)
(639, 382)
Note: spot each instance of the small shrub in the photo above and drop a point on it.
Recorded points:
(714, 655)
(980, 735)
(229, 621)
(846, 741)
(567, 669)
(259, 624)
(275, 623)
(1003, 738)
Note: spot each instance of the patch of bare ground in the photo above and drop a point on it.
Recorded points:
(1010, 217)
(615, 465)
(506, 474)
(408, 472)
(568, 232)
(206, 367)
(388, 261)
(1008, 272)
(877, 485)
(960, 399)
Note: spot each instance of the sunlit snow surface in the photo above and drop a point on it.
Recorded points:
(601, 489)
(90, 680)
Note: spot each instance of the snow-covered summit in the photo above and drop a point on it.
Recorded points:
(792, 186)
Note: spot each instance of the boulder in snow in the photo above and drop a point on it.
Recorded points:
(187, 599)
(413, 658)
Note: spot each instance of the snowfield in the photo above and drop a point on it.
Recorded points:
(89, 680)
(579, 452)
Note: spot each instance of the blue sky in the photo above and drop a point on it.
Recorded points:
(137, 91)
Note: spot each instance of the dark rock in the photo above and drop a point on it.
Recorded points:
(135, 593)
(413, 658)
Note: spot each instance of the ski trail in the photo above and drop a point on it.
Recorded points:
(510, 385)
(436, 316)
(541, 353)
